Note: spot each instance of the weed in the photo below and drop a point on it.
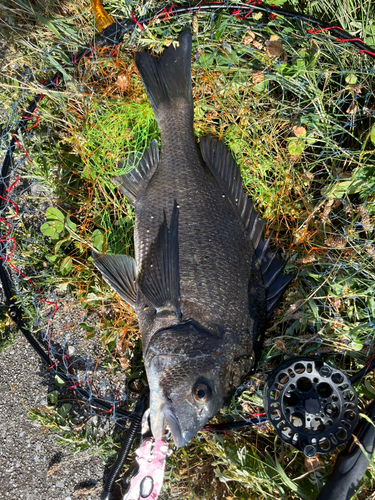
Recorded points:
(88, 433)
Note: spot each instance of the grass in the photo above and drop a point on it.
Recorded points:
(297, 113)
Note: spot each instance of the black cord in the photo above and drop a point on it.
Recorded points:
(137, 415)
(236, 9)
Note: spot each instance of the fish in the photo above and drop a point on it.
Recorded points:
(204, 281)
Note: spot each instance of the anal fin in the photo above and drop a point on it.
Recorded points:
(130, 184)
(120, 272)
(159, 278)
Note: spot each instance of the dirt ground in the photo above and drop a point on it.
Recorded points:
(32, 466)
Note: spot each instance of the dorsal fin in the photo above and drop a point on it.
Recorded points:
(129, 184)
(222, 165)
(224, 168)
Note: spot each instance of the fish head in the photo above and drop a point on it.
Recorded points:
(186, 371)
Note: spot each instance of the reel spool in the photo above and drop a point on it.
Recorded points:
(311, 405)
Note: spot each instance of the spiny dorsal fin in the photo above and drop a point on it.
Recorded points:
(129, 184)
(226, 171)
(120, 272)
(222, 165)
(159, 279)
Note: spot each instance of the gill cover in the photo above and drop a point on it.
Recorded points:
(185, 369)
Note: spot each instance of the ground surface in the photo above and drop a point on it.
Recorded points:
(32, 466)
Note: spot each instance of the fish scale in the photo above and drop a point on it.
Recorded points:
(207, 283)
(204, 280)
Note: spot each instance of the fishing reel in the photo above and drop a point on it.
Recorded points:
(311, 405)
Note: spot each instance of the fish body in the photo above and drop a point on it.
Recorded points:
(204, 281)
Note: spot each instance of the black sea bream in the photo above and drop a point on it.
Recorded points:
(203, 281)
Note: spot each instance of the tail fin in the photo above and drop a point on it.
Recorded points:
(169, 77)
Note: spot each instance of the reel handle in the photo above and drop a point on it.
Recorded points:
(351, 463)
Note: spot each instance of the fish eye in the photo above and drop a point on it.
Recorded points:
(202, 393)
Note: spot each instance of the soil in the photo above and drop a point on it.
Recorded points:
(32, 466)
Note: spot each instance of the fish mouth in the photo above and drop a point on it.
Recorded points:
(158, 419)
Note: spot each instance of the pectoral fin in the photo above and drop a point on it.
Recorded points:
(159, 279)
(120, 272)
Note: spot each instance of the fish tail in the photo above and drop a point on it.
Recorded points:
(168, 78)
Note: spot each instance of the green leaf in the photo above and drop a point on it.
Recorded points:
(293, 328)
(288, 482)
(71, 225)
(64, 410)
(260, 87)
(61, 242)
(220, 27)
(48, 230)
(87, 327)
(53, 258)
(58, 66)
(369, 388)
(97, 239)
(59, 381)
(110, 345)
(66, 266)
(48, 23)
(340, 189)
(314, 309)
(296, 146)
(372, 134)
(351, 79)
(356, 346)
(53, 397)
(310, 139)
(54, 214)
(206, 58)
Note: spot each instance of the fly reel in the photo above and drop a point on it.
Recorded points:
(311, 405)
